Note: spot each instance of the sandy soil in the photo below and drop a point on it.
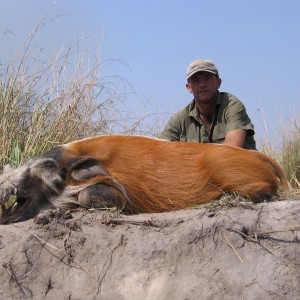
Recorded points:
(242, 252)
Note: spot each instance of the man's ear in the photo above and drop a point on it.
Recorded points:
(219, 82)
(188, 87)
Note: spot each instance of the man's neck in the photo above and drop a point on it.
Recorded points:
(207, 109)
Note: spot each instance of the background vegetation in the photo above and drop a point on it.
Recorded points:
(43, 104)
(286, 150)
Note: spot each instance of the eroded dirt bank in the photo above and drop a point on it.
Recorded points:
(250, 252)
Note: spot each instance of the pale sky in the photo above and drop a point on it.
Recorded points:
(254, 43)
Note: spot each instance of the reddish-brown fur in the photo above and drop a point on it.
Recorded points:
(162, 176)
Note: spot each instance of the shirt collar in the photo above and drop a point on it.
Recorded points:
(193, 111)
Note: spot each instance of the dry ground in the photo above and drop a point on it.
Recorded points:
(221, 251)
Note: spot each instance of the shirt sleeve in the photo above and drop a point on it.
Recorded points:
(172, 130)
(237, 118)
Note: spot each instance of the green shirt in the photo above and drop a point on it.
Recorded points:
(230, 114)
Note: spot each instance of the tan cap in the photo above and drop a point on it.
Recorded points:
(201, 65)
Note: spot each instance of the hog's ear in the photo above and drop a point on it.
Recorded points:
(49, 172)
(84, 168)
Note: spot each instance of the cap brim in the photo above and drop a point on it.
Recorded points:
(202, 70)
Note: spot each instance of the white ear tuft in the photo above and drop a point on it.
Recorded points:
(7, 168)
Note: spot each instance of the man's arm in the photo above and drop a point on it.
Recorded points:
(171, 131)
(238, 124)
(235, 138)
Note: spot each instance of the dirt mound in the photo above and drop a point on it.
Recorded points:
(245, 252)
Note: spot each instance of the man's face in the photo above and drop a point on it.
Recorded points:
(204, 86)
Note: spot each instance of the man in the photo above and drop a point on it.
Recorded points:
(213, 116)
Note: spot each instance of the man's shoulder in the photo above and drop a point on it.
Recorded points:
(228, 98)
(228, 101)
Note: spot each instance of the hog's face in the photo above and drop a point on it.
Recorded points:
(26, 190)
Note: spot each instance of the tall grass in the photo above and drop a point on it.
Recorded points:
(46, 103)
(291, 153)
(286, 150)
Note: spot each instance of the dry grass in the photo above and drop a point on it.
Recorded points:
(287, 150)
(290, 158)
(43, 104)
